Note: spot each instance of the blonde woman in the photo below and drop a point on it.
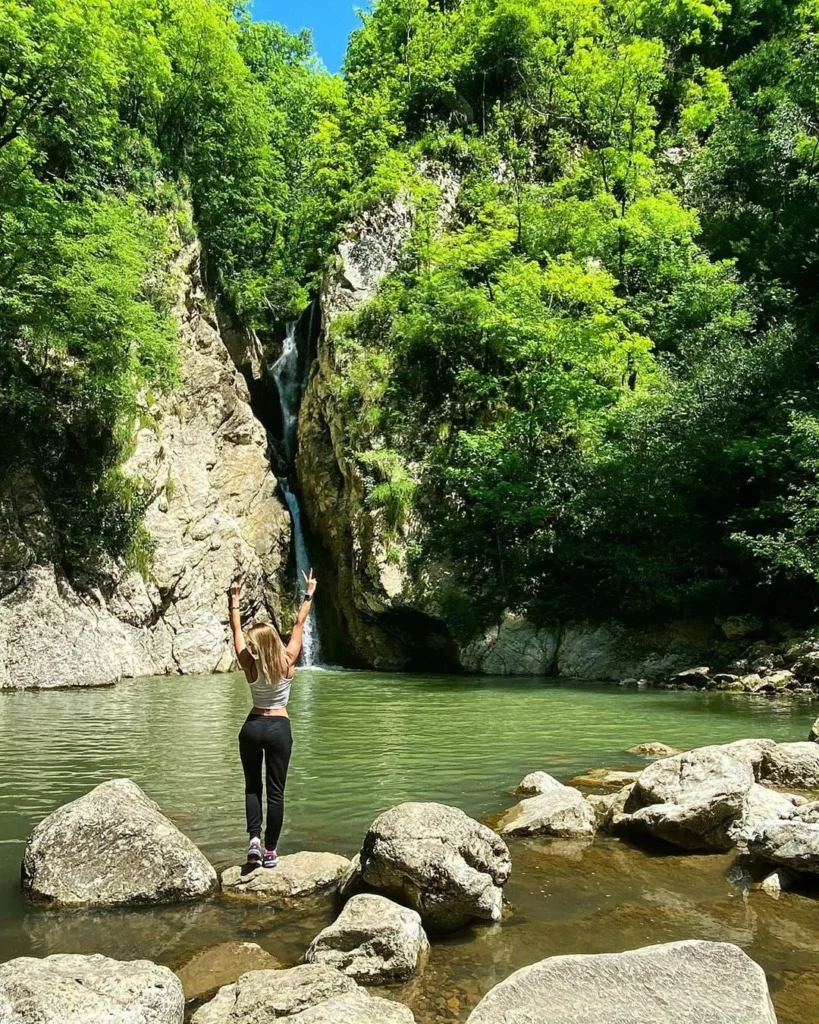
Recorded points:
(269, 667)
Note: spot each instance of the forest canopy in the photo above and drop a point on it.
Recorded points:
(593, 385)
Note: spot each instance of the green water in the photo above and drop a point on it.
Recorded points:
(363, 742)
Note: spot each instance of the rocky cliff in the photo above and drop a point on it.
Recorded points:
(386, 620)
(214, 508)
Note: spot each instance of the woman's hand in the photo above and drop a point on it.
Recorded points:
(235, 592)
(310, 582)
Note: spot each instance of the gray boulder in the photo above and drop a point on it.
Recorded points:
(752, 751)
(297, 874)
(437, 860)
(614, 778)
(792, 764)
(762, 805)
(691, 800)
(373, 940)
(689, 982)
(70, 989)
(793, 844)
(309, 994)
(113, 847)
(813, 735)
(561, 811)
(537, 782)
(608, 807)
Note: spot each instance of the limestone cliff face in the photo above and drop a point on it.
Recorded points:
(387, 624)
(214, 509)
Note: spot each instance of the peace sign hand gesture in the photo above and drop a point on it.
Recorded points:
(310, 582)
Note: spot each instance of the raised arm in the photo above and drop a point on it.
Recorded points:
(293, 649)
(243, 655)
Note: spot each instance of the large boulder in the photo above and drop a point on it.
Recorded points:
(513, 647)
(537, 782)
(689, 982)
(297, 874)
(792, 764)
(691, 800)
(373, 940)
(439, 861)
(793, 844)
(559, 811)
(113, 847)
(762, 805)
(753, 751)
(309, 994)
(71, 989)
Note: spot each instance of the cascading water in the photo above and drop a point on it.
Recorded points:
(290, 385)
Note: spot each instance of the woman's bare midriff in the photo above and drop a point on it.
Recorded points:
(271, 712)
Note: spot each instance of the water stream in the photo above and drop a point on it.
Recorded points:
(364, 741)
(290, 383)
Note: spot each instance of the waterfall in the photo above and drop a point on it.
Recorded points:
(290, 385)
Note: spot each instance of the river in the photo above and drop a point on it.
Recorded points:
(363, 742)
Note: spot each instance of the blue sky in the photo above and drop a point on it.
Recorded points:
(331, 22)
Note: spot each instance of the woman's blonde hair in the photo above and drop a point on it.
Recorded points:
(265, 644)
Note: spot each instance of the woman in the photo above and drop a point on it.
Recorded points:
(269, 667)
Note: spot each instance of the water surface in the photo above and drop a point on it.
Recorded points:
(363, 742)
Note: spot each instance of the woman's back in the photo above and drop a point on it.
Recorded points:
(267, 695)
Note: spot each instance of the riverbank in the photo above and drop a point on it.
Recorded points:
(365, 742)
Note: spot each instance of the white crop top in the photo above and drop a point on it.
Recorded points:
(269, 696)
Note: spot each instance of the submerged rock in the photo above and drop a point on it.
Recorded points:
(653, 750)
(691, 800)
(113, 847)
(313, 993)
(72, 989)
(211, 968)
(373, 940)
(614, 777)
(561, 811)
(792, 764)
(689, 982)
(439, 861)
(297, 874)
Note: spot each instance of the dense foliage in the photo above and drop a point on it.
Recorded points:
(595, 388)
(591, 384)
(114, 114)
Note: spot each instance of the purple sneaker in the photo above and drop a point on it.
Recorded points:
(254, 851)
(271, 859)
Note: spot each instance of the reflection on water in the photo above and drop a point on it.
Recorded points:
(362, 743)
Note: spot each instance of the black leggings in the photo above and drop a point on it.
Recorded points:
(268, 736)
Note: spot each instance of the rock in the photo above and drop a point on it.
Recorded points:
(691, 800)
(561, 811)
(71, 989)
(739, 627)
(813, 735)
(761, 805)
(653, 750)
(298, 874)
(808, 812)
(613, 652)
(752, 683)
(214, 501)
(513, 647)
(438, 861)
(113, 847)
(773, 884)
(794, 844)
(752, 751)
(605, 777)
(373, 940)
(792, 764)
(537, 782)
(609, 806)
(696, 677)
(781, 679)
(677, 983)
(313, 993)
(210, 969)
(726, 681)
